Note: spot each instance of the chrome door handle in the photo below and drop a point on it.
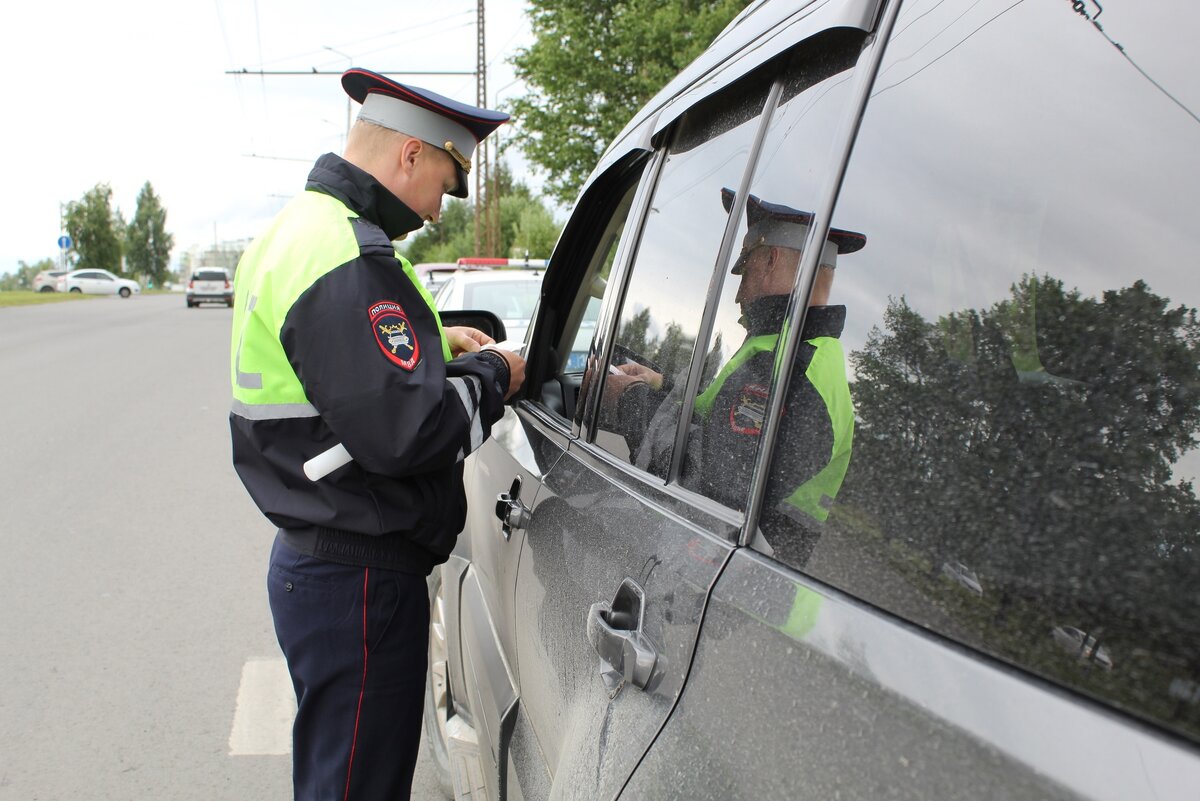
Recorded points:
(512, 513)
(615, 631)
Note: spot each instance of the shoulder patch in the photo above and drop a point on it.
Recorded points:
(394, 334)
(748, 409)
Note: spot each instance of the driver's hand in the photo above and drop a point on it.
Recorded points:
(516, 370)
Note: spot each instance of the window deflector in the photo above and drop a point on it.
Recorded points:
(579, 243)
(601, 349)
(754, 52)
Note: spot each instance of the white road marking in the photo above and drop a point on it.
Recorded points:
(266, 708)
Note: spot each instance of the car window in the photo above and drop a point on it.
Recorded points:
(760, 273)
(510, 300)
(665, 295)
(1022, 352)
(209, 275)
(443, 292)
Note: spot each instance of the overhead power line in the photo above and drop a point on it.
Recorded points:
(315, 71)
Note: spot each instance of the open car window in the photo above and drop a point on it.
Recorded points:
(576, 285)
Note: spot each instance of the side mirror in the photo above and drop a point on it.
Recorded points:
(484, 320)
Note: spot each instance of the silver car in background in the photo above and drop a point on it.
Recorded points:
(209, 285)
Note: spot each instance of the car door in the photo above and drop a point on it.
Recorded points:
(998, 602)
(614, 573)
(86, 282)
(505, 483)
(503, 480)
(103, 283)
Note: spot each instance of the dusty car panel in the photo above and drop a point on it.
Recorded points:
(993, 599)
(875, 709)
(480, 612)
(593, 717)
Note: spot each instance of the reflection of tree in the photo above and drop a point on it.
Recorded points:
(671, 352)
(1035, 441)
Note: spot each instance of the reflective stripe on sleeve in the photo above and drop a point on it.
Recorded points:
(273, 411)
(469, 390)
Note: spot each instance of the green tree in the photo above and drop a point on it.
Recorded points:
(147, 242)
(448, 239)
(527, 228)
(24, 275)
(96, 229)
(592, 65)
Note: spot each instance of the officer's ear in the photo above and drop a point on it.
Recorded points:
(410, 152)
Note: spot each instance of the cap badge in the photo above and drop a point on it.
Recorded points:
(462, 160)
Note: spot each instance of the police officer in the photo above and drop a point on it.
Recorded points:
(335, 341)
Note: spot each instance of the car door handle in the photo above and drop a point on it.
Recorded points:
(615, 631)
(512, 513)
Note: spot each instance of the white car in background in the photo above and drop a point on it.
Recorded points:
(434, 274)
(97, 282)
(46, 280)
(511, 294)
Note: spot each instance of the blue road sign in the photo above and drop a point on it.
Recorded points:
(64, 242)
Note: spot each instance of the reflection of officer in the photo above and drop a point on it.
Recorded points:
(335, 340)
(818, 421)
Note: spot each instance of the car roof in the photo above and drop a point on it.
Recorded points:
(435, 267)
(475, 275)
(762, 31)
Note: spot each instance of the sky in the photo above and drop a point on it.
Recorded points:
(131, 91)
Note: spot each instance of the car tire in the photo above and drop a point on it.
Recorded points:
(437, 686)
(124, 292)
(76, 290)
(46, 289)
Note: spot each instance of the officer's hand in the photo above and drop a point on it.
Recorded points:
(651, 377)
(464, 339)
(616, 384)
(516, 371)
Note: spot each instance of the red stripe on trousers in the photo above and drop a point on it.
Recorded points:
(361, 689)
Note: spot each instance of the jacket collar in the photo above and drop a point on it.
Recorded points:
(765, 316)
(363, 195)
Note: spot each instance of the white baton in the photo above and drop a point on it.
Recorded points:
(326, 462)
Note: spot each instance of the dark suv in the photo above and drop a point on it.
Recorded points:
(941, 542)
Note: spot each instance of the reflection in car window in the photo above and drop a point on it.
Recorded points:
(741, 354)
(665, 295)
(580, 325)
(1023, 349)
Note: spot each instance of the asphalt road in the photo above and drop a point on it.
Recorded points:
(139, 660)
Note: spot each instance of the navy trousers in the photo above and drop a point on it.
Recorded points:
(356, 642)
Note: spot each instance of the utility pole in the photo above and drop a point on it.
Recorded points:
(484, 238)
